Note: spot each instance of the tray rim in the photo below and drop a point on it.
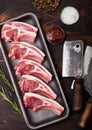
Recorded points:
(13, 81)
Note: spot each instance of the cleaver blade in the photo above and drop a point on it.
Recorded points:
(73, 67)
(73, 59)
(87, 86)
(88, 70)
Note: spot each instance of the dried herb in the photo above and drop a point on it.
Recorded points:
(46, 5)
(5, 94)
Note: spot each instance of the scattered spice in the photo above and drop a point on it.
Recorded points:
(69, 15)
(55, 35)
(46, 5)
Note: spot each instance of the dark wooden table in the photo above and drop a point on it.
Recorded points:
(81, 30)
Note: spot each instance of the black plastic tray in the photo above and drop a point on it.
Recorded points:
(41, 118)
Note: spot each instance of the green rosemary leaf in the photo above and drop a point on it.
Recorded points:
(4, 94)
(4, 78)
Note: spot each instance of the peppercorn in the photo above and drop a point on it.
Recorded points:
(46, 5)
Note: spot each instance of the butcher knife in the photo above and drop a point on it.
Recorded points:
(87, 85)
(73, 67)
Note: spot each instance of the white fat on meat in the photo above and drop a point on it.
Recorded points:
(37, 102)
(23, 25)
(23, 50)
(18, 31)
(30, 83)
(26, 66)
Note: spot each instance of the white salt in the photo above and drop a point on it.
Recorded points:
(69, 15)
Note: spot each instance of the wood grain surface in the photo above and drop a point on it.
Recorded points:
(82, 30)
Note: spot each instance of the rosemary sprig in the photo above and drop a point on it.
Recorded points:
(4, 78)
(8, 99)
(4, 93)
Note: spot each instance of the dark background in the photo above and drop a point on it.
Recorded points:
(81, 30)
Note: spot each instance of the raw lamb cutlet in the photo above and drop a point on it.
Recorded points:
(17, 34)
(37, 102)
(28, 67)
(30, 83)
(18, 31)
(23, 50)
(23, 25)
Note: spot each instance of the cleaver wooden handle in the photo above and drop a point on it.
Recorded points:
(86, 114)
(78, 95)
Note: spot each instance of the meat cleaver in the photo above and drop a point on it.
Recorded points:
(73, 67)
(87, 85)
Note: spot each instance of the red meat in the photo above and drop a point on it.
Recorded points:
(30, 83)
(18, 31)
(23, 26)
(26, 66)
(23, 50)
(37, 102)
